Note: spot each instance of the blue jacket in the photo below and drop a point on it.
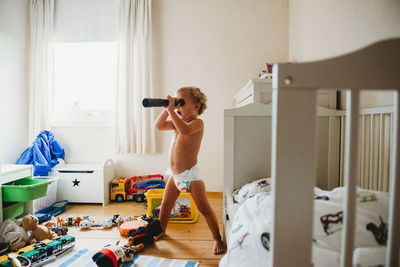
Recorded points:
(43, 154)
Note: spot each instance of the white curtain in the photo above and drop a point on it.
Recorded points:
(85, 20)
(41, 26)
(134, 124)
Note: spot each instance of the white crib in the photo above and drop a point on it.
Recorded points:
(310, 143)
(295, 87)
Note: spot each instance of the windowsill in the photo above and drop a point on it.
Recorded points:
(82, 119)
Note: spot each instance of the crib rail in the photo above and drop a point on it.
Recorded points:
(375, 141)
(293, 156)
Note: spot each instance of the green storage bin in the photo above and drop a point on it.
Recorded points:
(25, 189)
(12, 209)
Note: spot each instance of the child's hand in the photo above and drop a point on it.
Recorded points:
(171, 106)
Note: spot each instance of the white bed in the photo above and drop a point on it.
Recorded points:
(263, 140)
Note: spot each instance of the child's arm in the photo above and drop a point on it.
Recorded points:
(162, 123)
(180, 125)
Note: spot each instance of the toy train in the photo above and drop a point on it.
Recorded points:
(42, 252)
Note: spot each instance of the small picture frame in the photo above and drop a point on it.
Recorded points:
(269, 67)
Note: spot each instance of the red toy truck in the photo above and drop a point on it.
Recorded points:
(134, 187)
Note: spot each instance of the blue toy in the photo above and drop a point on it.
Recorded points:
(151, 184)
(55, 209)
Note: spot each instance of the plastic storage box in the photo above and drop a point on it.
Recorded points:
(25, 189)
(184, 211)
(12, 209)
(51, 196)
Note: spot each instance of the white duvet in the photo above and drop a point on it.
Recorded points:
(248, 245)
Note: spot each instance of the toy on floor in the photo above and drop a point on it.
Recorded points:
(63, 230)
(51, 223)
(126, 227)
(4, 248)
(77, 221)
(127, 219)
(134, 187)
(13, 234)
(145, 235)
(115, 255)
(70, 221)
(18, 260)
(38, 232)
(183, 211)
(55, 209)
(86, 223)
(117, 220)
(42, 252)
(60, 221)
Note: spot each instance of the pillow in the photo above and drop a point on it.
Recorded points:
(250, 189)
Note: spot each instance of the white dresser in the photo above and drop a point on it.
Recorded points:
(9, 173)
(260, 91)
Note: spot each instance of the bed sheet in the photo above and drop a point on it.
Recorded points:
(251, 226)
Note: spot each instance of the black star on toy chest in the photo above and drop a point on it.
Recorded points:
(76, 182)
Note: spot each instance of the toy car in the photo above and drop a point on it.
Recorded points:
(63, 230)
(151, 184)
(143, 185)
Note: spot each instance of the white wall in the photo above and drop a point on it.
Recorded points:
(13, 85)
(216, 45)
(322, 29)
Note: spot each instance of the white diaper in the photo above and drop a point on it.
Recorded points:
(182, 180)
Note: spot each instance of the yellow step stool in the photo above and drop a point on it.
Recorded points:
(184, 211)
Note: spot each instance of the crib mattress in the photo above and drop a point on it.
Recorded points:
(252, 220)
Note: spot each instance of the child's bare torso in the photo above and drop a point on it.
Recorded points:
(184, 150)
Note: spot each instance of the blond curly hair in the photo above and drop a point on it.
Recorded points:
(197, 96)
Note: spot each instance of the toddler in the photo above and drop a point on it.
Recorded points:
(184, 172)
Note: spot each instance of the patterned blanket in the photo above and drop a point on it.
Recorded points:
(251, 228)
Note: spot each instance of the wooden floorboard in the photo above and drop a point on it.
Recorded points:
(183, 241)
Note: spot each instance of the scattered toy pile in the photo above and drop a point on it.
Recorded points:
(116, 255)
(141, 232)
(145, 235)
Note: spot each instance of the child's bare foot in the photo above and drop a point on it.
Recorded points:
(219, 247)
(159, 236)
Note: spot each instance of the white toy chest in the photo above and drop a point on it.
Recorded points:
(84, 183)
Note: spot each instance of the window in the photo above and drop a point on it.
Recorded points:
(84, 83)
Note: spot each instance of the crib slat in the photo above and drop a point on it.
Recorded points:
(362, 150)
(341, 150)
(390, 149)
(293, 186)
(371, 152)
(350, 177)
(380, 159)
(392, 256)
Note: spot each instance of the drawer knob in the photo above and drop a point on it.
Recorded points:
(288, 80)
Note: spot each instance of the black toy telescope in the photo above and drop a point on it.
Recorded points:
(159, 102)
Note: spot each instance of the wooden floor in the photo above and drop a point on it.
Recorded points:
(183, 241)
